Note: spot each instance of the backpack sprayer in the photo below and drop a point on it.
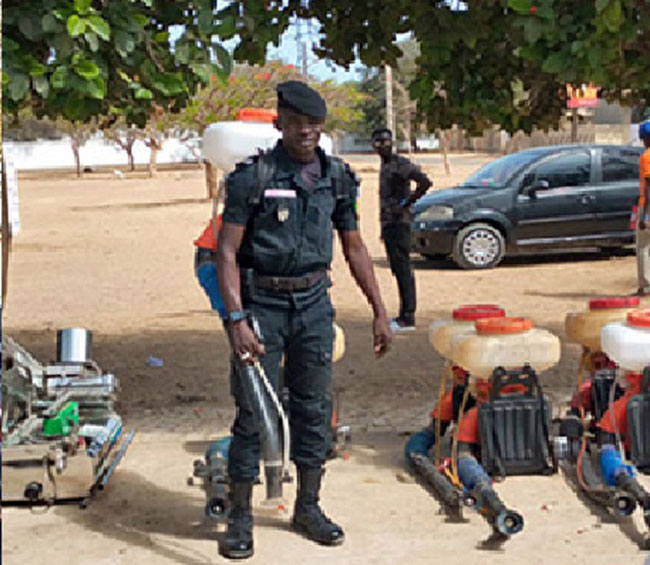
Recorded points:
(614, 336)
(511, 426)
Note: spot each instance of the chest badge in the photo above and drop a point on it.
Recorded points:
(283, 213)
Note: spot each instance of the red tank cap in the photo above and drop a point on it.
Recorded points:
(471, 312)
(608, 302)
(256, 115)
(500, 326)
(639, 318)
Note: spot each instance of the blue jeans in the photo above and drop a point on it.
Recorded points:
(207, 275)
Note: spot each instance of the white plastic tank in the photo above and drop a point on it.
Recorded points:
(510, 343)
(628, 343)
(227, 143)
(585, 327)
(462, 319)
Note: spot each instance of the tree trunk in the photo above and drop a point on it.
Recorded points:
(574, 125)
(444, 147)
(75, 150)
(153, 154)
(129, 152)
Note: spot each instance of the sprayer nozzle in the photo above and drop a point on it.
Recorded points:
(509, 522)
(623, 504)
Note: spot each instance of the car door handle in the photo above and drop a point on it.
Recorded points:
(586, 199)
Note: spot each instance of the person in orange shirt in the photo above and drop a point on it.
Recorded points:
(205, 266)
(643, 221)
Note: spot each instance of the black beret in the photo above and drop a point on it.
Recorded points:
(302, 99)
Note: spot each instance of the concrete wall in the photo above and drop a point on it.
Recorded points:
(497, 141)
(57, 154)
(350, 143)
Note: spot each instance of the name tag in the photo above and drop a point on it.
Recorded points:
(279, 193)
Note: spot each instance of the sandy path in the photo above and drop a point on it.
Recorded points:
(116, 257)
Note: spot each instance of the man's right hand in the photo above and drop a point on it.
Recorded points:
(245, 344)
(382, 336)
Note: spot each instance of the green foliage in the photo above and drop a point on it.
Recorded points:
(498, 62)
(26, 127)
(82, 58)
(254, 86)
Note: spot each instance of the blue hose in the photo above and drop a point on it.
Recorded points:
(612, 465)
(471, 473)
(419, 442)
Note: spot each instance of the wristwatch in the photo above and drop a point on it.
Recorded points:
(236, 316)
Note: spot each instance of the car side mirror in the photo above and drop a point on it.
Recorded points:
(532, 189)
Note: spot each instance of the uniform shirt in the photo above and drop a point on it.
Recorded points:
(644, 173)
(289, 233)
(395, 178)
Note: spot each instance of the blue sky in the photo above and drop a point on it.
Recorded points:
(289, 50)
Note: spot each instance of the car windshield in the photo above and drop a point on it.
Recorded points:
(499, 172)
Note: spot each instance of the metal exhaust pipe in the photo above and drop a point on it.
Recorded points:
(268, 421)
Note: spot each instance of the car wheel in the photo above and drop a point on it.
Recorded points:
(478, 246)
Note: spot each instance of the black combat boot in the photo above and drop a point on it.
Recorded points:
(308, 518)
(238, 542)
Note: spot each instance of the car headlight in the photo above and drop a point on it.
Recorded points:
(435, 213)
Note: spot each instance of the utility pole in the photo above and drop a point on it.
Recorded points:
(390, 116)
(303, 47)
(574, 125)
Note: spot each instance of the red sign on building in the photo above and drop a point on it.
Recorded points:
(585, 96)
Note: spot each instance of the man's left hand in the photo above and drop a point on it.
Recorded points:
(382, 335)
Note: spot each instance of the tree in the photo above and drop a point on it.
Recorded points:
(254, 86)
(373, 85)
(84, 58)
(26, 127)
(482, 62)
(124, 135)
(79, 133)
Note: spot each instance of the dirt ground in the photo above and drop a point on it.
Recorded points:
(115, 256)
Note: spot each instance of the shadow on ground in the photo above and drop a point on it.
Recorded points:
(519, 261)
(136, 511)
(192, 391)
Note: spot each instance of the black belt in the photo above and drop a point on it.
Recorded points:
(289, 284)
(203, 255)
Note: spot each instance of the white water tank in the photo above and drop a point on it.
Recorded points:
(628, 343)
(510, 343)
(443, 330)
(227, 143)
(585, 327)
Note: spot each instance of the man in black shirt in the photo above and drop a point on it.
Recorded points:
(395, 199)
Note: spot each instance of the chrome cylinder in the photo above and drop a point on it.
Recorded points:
(73, 345)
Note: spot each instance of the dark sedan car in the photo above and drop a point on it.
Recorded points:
(572, 196)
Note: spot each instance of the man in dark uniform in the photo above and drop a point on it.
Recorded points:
(395, 199)
(274, 250)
